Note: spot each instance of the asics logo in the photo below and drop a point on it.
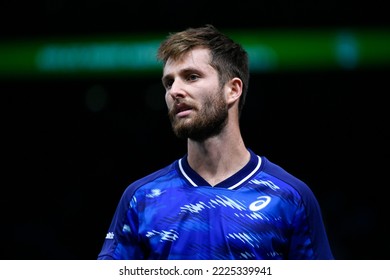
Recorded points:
(259, 204)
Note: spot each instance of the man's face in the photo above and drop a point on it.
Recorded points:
(196, 102)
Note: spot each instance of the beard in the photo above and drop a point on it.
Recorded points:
(208, 122)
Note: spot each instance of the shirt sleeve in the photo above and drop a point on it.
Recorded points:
(309, 239)
(121, 242)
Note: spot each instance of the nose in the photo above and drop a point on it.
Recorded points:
(177, 89)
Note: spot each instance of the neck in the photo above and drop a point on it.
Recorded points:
(219, 157)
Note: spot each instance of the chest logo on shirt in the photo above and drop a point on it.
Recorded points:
(154, 193)
(259, 204)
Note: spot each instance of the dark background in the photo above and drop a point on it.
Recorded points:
(70, 146)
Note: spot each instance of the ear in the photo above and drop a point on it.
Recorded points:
(234, 90)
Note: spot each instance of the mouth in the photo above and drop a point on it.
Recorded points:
(182, 109)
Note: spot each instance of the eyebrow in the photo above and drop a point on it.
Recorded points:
(183, 72)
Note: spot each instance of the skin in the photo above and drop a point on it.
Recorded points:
(206, 113)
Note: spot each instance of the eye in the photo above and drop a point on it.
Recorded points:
(167, 83)
(192, 77)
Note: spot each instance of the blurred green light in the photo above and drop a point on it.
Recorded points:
(269, 50)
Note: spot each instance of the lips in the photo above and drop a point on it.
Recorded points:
(181, 107)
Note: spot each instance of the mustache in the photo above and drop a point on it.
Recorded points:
(180, 105)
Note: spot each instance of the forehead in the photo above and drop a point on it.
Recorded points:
(197, 58)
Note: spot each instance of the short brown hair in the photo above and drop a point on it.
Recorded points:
(228, 57)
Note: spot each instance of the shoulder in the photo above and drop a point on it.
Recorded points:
(287, 179)
(151, 180)
(279, 172)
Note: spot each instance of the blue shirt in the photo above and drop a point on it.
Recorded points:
(261, 212)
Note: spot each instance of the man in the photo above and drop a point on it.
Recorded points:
(220, 200)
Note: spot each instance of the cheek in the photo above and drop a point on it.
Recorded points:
(168, 101)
